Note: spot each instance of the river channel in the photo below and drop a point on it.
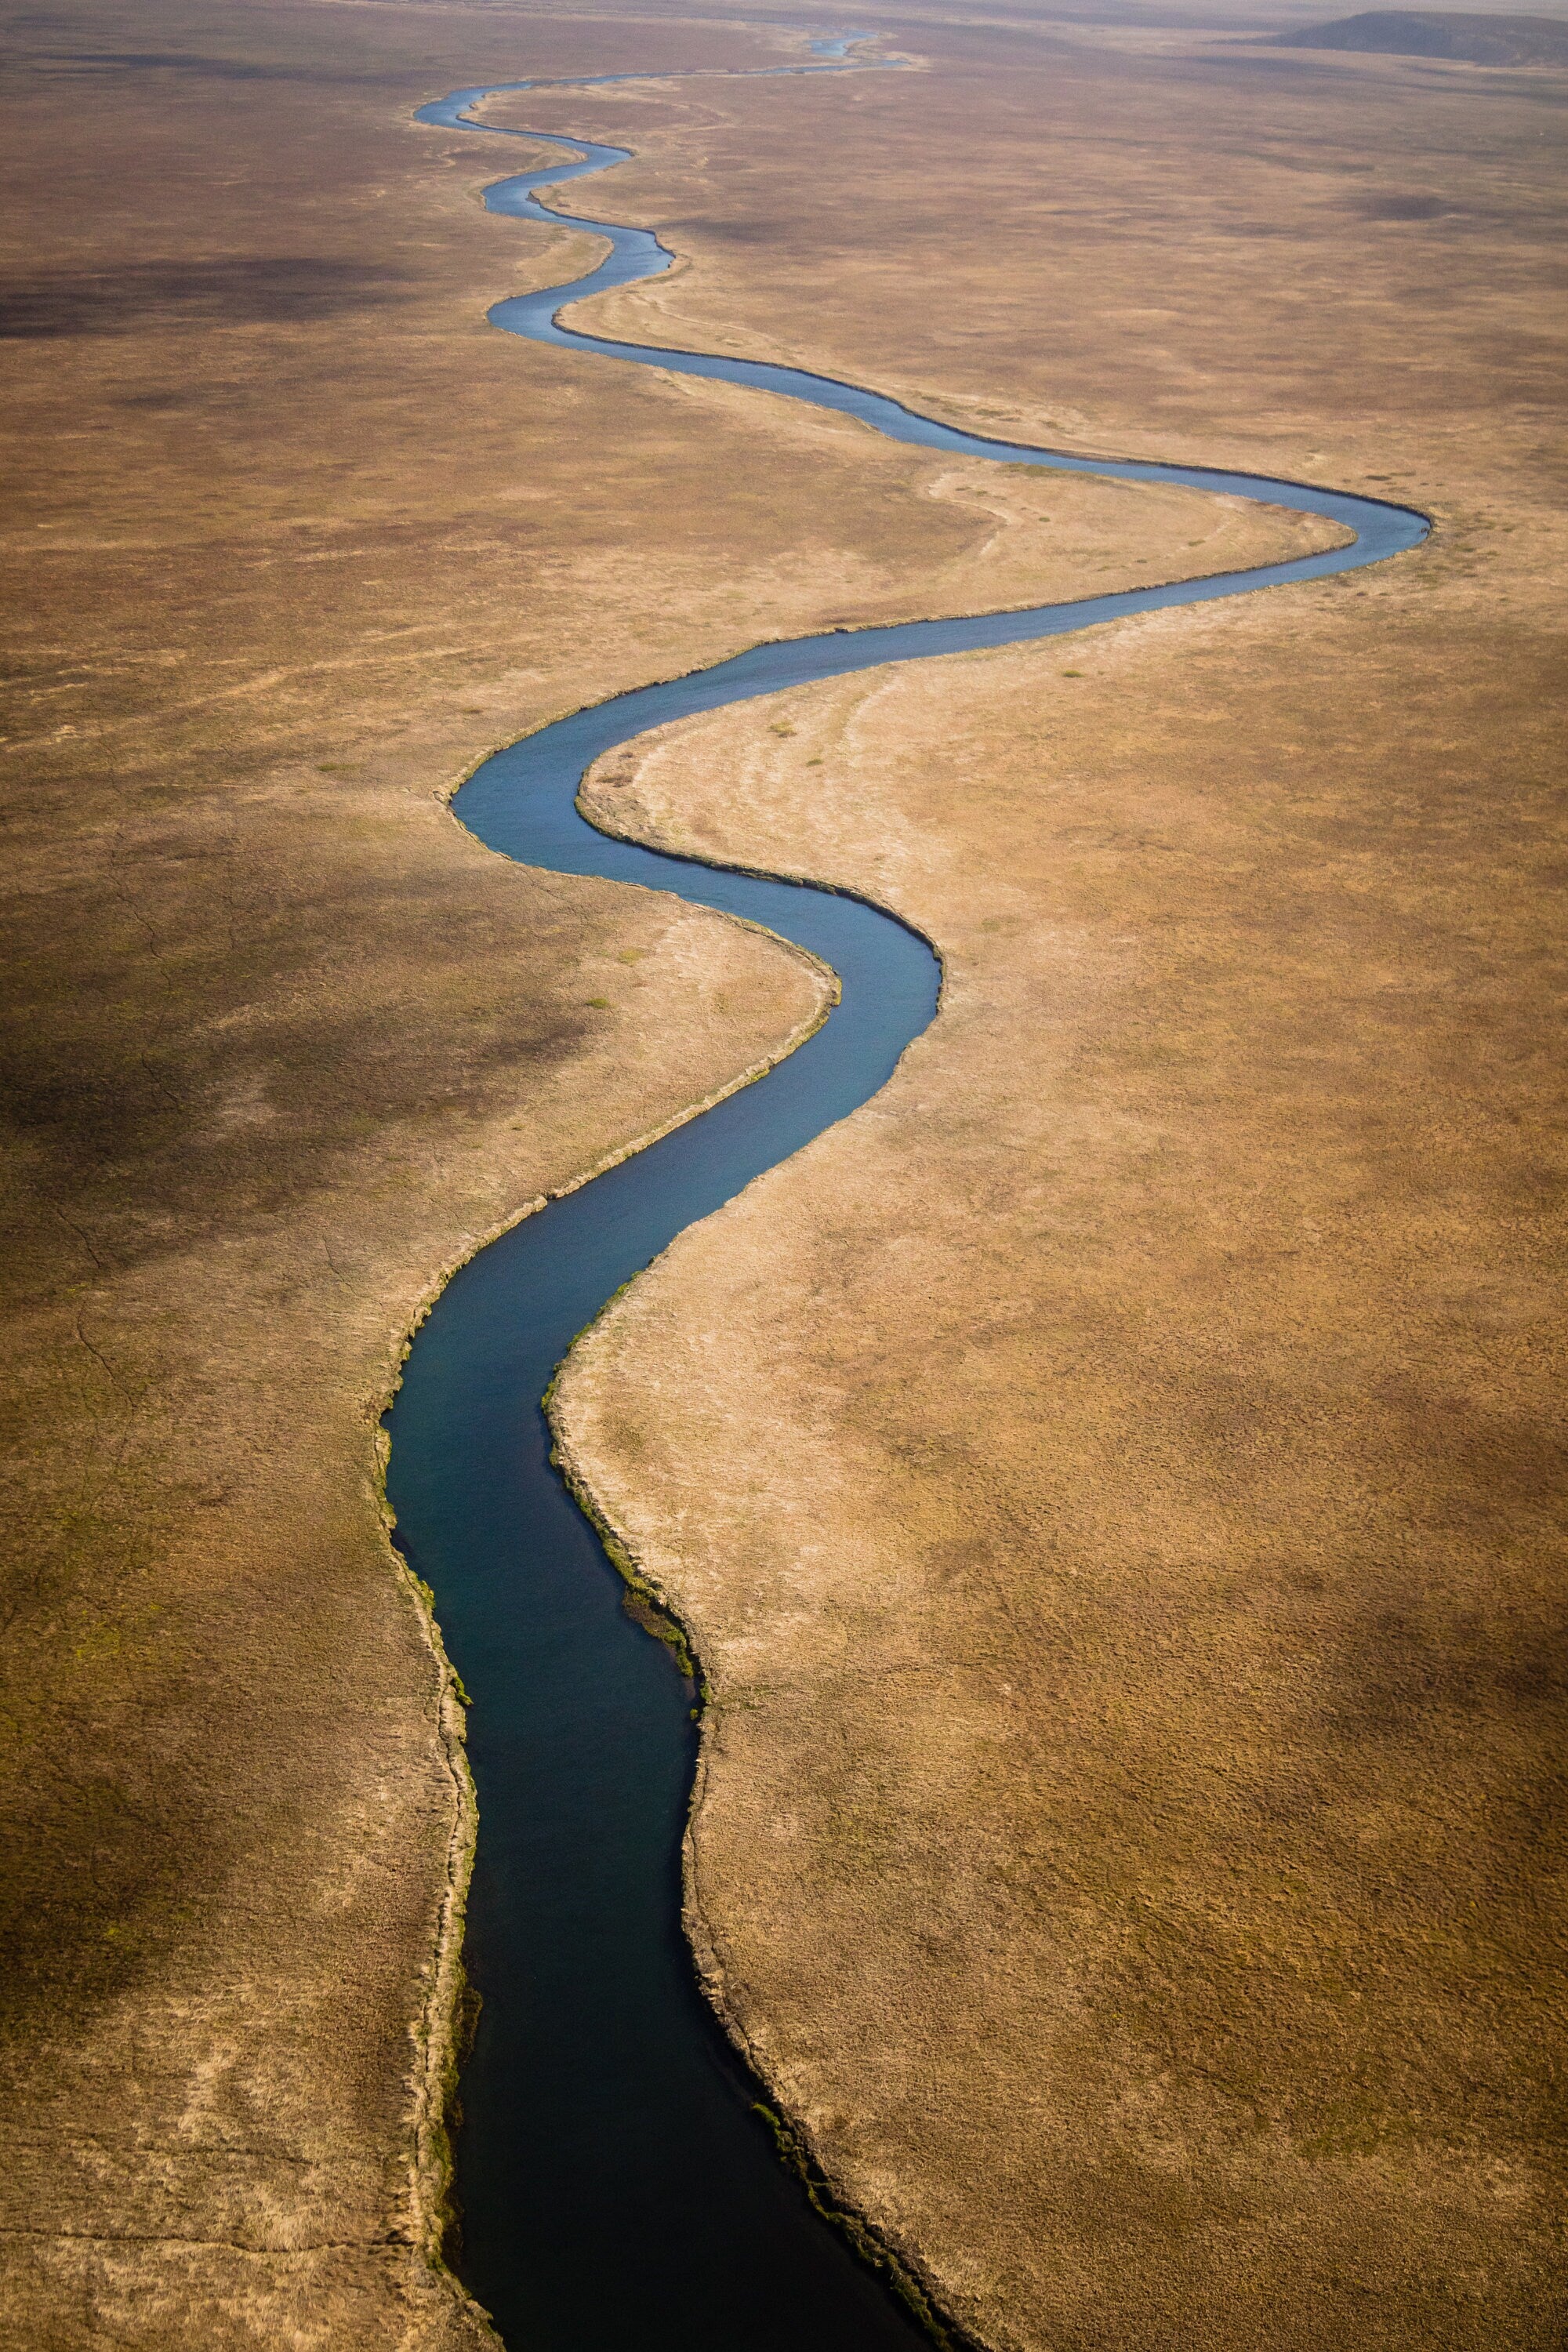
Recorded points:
(618, 2187)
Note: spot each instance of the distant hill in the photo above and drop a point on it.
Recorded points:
(1437, 33)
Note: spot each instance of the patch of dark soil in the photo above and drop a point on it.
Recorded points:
(274, 289)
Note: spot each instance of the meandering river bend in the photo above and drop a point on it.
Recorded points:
(619, 2187)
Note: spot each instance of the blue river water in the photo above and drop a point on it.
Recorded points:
(617, 2185)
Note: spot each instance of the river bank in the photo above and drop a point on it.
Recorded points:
(586, 2067)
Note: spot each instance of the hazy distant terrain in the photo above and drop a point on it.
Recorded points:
(1438, 33)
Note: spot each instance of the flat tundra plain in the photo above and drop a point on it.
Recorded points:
(1114, 1481)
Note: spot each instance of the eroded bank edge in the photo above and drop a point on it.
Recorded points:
(439, 2032)
(648, 1602)
(438, 2035)
(436, 2030)
(439, 2043)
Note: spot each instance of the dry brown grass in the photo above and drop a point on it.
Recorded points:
(293, 538)
(1115, 1482)
(1186, 1265)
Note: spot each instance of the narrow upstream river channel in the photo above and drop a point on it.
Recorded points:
(619, 2191)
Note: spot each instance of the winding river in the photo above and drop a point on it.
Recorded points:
(618, 2187)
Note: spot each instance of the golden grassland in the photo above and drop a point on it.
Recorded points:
(293, 538)
(1131, 1634)
(1114, 1483)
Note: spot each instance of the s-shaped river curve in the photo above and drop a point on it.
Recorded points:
(618, 2187)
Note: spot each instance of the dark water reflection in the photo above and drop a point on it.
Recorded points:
(618, 2188)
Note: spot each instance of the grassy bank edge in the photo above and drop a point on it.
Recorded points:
(440, 2030)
